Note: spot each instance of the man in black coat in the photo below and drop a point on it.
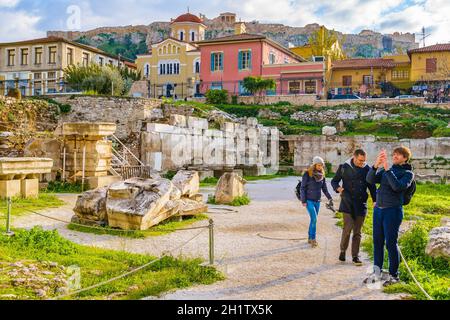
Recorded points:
(354, 198)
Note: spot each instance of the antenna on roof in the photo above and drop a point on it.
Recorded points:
(424, 36)
(188, 9)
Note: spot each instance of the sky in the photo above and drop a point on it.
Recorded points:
(27, 19)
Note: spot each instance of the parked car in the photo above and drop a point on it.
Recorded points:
(346, 96)
(405, 96)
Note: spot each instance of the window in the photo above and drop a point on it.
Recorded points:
(217, 61)
(147, 70)
(197, 67)
(52, 55)
(110, 62)
(346, 81)
(216, 86)
(242, 90)
(245, 60)
(11, 57)
(37, 76)
(101, 61)
(85, 59)
(272, 58)
(24, 57)
(431, 65)
(294, 87)
(38, 56)
(368, 80)
(69, 56)
(192, 36)
(51, 75)
(400, 74)
(181, 35)
(310, 87)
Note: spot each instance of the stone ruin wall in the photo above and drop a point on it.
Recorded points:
(188, 142)
(431, 157)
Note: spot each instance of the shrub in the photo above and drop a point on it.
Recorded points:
(65, 108)
(217, 96)
(14, 93)
(441, 132)
(234, 99)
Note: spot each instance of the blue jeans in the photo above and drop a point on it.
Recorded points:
(313, 210)
(386, 225)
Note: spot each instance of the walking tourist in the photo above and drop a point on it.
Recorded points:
(354, 198)
(312, 186)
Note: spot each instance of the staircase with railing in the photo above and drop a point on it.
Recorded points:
(125, 163)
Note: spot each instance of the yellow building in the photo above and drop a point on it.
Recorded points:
(430, 64)
(362, 76)
(172, 68)
(400, 74)
(37, 66)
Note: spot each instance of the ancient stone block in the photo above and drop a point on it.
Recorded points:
(10, 188)
(91, 206)
(29, 188)
(178, 120)
(188, 182)
(230, 187)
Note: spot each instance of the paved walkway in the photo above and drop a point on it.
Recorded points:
(255, 267)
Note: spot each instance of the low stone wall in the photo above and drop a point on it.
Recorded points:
(300, 99)
(431, 157)
(188, 142)
(381, 101)
(127, 113)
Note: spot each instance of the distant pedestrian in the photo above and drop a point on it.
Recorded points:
(396, 189)
(354, 198)
(313, 184)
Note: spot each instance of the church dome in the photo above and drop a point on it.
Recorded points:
(188, 17)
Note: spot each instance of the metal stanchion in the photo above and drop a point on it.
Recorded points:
(8, 233)
(211, 242)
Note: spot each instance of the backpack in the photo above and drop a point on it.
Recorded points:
(297, 190)
(408, 194)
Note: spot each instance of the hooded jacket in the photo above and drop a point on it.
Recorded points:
(393, 184)
(355, 195)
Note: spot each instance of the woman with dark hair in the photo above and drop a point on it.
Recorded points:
(313, 184)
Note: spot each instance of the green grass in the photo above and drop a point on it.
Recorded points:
(22, 206)
(237, 202)
(65, 187)
(164, 228)
(427, 208)
(98, 265)
(209, 182)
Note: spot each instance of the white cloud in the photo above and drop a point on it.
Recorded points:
(17, 26)
(8, 3)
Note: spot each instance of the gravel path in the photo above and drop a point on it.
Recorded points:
(255, 267)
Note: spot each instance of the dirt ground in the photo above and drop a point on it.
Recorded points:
(261, 248)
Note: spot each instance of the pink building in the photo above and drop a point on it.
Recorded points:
(228, 60)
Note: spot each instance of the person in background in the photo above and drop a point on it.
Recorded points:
(354, 198)
(388, 212)
(313, 184)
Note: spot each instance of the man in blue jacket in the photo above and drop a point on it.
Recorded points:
(388, 212)
(354, 198)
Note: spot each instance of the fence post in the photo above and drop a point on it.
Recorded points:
(8, 218)
(211, 242)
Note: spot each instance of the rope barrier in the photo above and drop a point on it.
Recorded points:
(129, 272)
(109, 229)
(280, 239)
(412, 275)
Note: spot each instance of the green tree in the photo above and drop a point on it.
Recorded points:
(256, 85)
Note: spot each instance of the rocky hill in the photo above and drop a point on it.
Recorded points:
(132, 40)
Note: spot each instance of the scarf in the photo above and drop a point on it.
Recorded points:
(318, 175)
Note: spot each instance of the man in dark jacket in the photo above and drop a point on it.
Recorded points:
(354, 197)
(388, 212)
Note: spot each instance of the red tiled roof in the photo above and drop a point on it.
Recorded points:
(433, 48)
(234, 37)
(188, 17)
(363, 63)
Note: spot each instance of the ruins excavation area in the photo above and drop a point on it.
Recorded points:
(140, 164)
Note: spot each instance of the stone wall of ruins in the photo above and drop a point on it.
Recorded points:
(188, 142)
(431, 157)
